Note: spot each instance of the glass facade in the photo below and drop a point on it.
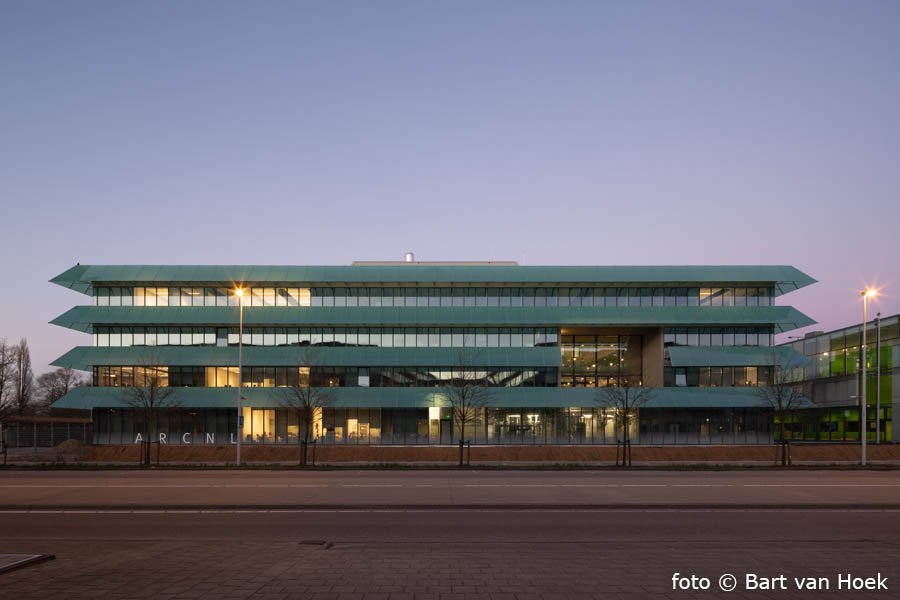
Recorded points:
(833, 376)
(433, 426)
(366, 337)
(718, 336)
(181, 376)
(601, 360)
(717, 376)
(508, 296)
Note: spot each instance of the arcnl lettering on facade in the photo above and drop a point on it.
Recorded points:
(187, 438)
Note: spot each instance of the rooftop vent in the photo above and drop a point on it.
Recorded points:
(437, 263)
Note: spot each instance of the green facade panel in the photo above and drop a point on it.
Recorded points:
(735, 356)
(387, 397)
(84, 357)
(785, 278)
(784, 318)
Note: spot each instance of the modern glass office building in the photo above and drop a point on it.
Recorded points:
(390, 337)
(832, 375)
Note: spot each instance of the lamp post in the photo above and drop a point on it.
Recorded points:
(239, 292)
(878, 378)
(864, 420)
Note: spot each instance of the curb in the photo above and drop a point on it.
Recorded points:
(193, 508)
(30, 559)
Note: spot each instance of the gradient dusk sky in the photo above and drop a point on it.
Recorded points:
(543, 132)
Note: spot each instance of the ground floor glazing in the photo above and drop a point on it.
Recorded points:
(837, 424)
(435, 426)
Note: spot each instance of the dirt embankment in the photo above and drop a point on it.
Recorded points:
(823, 453)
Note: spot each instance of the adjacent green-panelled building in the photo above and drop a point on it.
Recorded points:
(389, 338)
(831, 374)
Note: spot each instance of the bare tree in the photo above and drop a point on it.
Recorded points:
(55, 384)
(468, 393)
(626, 400)
(7, 376)
(148, 394)
(305, 400)
(784, 392)
(23, 377)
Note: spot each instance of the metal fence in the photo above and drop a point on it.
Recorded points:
(43, 433)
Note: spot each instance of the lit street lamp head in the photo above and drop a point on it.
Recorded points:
(869, 293)
(239, 292)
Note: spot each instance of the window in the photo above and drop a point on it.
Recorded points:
(340, 296)
(671, 296)
(304, 297)
(327, 296)
(417, 296)
(728, 297)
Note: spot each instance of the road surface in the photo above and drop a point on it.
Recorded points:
(460, 535)
(598, 489)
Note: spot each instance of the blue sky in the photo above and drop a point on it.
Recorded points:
(549, 133)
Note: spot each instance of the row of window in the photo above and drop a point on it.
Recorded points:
(179, 376)
(846, 362)
(716, 376)
(601, 356)
(435, 296)
(568, 379)
(387, 337)
(573, 425)
(718, 336)
(889, 329)
(402, 337)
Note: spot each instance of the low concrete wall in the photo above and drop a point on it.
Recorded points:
(826, 453)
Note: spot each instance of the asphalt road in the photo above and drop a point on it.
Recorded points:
(445, 535)
(305, 489)
(537, 526)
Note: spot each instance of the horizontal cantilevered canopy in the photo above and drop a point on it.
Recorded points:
(784, 278)
(391, 397)
(783, 318)
(86, 357)
(737, 356)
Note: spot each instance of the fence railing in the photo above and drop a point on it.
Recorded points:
(43, 434)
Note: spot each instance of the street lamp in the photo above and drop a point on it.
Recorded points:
(239, 293)
(864, 421)
(878, 378)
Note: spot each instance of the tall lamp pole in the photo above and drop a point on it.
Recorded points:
(239, 292)
(864, 420)
(878, 378)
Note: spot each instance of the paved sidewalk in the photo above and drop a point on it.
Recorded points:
(283, 571)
